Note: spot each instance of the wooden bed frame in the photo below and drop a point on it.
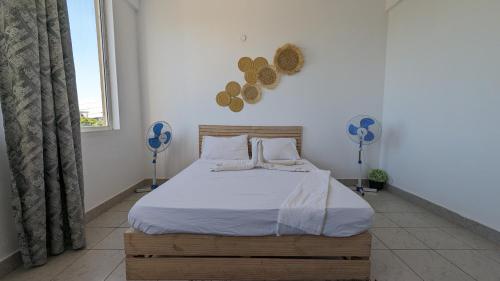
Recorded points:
(213, 257)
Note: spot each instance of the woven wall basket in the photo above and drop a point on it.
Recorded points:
(233, 88)
(251, 76)
(223, 98)
(236, 104)
(259, 62)
(251, 93)
(288, 59)
(268, 76)
(245, 64)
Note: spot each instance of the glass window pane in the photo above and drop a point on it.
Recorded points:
(82, 18)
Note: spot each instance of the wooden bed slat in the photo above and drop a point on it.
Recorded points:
(137, 243)
(252, 131)
(245, 269)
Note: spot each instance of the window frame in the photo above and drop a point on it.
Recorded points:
(101, 11)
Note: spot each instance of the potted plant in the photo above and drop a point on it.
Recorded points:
(377, 178)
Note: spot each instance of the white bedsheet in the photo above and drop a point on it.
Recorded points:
(239, 203)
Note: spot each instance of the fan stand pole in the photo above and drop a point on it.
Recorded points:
(359, 186)
(154, 185)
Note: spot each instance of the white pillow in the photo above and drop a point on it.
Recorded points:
(278, 148)
(225, 148)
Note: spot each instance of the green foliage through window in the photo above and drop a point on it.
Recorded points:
(91, 122)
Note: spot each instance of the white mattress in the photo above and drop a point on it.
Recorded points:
(239, 203)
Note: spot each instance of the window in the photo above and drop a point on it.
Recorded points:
(86, 19)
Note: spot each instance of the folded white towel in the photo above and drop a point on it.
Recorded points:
(305, 207)
(233, 166)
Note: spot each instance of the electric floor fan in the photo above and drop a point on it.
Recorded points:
(158, 138)
(363, 130)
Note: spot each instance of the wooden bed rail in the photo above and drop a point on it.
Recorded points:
(213, 257)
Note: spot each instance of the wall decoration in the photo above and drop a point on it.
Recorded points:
(251, 93)
(245, 64)
(259, 62)
(259, 73)
(288, 59)
(223, 98)
(268, 76)
(233, 88)
(236, 104)
(251, 76)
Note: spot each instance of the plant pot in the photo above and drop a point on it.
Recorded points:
(376, 184)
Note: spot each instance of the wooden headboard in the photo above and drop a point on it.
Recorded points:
(251, 131)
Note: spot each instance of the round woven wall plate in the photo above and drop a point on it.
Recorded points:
(233, 88)
(236, 104)
(268, 76)
(251, 76)
(288, 59)
(251, 93)
(245, 64)
(259, 62)
(223, 98)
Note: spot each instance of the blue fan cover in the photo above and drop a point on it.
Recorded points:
(159, 139)
(364, 123)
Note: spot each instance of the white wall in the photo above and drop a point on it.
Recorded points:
(189, 51)
(441, 104)
(113, 160)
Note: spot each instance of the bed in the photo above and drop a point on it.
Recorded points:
(205, 225)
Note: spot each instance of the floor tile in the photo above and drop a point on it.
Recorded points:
(395, 206)
(431, 266)
(433, 220)
(109, 219)
(114, 241)
(468, 237)
(123, 206)
(94, 235)
(492, 254)
(473, 263)
(118, 274)
(380, 197)
(135, 196)
(377, 244)
(380, 220)
(54, 266)
(95, 265)
(408, 220)
(435, 238)
(397, 238)
(125, 224)
(386, 266)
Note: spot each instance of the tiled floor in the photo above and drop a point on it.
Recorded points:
(409, 244)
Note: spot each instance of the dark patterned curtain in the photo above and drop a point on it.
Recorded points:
(42, 129)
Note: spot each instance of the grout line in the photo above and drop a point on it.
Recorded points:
(380, 240)
(407, 265)
(97, 243)
(452, 263)
(458, 238)
(492, 259)
(70, 264)
(107, 276)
